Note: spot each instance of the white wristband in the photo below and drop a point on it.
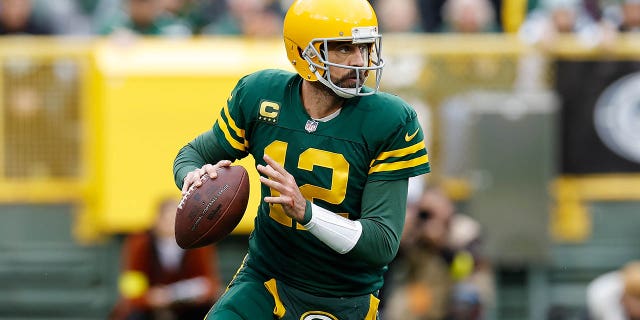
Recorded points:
(337, 232)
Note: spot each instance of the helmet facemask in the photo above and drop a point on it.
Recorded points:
(316, 54)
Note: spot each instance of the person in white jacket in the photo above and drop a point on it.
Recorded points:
(616, 295)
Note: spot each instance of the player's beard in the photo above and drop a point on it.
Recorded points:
(342, 82)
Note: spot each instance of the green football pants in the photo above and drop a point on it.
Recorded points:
(249, 298)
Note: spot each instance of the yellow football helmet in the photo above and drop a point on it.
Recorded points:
(310, 24)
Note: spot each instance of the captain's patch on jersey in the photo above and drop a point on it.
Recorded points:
(269, 111)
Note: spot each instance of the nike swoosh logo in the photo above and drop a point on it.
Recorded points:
(408, 137)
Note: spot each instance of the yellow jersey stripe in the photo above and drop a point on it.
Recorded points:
(400, 152)
(399, 164)
(239, 132)
(227, 134)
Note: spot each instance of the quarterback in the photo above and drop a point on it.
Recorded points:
(334, 157)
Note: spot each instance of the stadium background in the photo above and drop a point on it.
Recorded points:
(499, 118)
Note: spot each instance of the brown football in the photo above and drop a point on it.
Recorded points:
(208, 213)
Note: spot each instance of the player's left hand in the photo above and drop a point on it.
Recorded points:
(193, 177)
(280, 180)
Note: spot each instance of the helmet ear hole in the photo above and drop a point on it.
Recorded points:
(323, 52)
(299, 52)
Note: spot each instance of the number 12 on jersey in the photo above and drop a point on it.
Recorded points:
(307, 160)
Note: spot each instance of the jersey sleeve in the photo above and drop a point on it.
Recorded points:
(381, 223)
(231, 123)
(225, 141)
(201, 150)
(402, 154)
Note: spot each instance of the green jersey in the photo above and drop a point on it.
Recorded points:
(373, 138)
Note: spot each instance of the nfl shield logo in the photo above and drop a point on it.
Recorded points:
(311, 126)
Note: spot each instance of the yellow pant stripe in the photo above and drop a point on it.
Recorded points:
(279, 309)
(373, 308)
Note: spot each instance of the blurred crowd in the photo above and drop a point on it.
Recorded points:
(534, 20)
(440, 271)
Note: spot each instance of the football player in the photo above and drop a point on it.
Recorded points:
(334, 157)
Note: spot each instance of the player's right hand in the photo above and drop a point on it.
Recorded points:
(193, 178)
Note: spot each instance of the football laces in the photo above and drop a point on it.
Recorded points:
(186, 194)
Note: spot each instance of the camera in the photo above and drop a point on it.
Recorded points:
(424, 215)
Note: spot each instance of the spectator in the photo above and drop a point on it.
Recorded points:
(68, 17)
(438, 273)
(624, 17)
(615, 295)
(474, 290)
(398, 16)
(469, 16)
(145, 17)
(254, 18)
(422, 261)
(159, 280)
(630, 16)
(555, 17)
(17, 17)
(196, 13)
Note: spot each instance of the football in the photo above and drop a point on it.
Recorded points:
(208, 213)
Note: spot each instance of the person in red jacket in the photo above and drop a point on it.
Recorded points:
(161, 281)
